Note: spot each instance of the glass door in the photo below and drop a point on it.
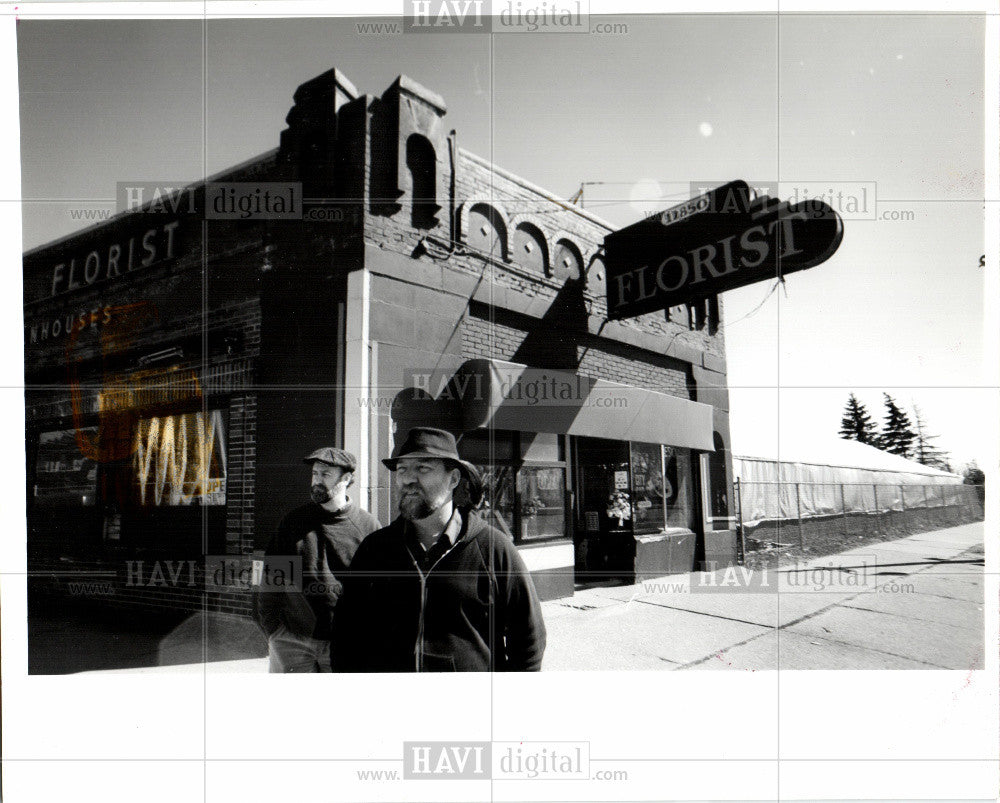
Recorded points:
(605, 527)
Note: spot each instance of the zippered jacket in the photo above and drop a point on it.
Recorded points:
(474, 608)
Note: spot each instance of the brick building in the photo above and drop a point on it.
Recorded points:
(179, 365)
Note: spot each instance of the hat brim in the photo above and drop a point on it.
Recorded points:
(463, 465)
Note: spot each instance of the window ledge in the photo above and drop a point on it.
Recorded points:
(663, 535)
(547, 540)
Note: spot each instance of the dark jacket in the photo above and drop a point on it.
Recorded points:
(325, 543)
(475, 608)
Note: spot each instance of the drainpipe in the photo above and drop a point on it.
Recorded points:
(453, 153)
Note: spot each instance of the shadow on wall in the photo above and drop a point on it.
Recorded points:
(554, 343)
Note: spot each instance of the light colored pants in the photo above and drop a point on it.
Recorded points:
(290, 652)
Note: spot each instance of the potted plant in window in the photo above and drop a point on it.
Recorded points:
(529, 509)
(619, 507)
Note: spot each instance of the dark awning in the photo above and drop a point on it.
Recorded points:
(506, 395)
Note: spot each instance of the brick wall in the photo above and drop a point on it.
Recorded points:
(143, 584)
(241, 475)
(489, 339)
(637, 372)
(483, 338)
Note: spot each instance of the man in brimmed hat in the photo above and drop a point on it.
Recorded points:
(438, 589)
(324, 534)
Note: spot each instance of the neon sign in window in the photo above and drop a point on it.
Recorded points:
(181, 460)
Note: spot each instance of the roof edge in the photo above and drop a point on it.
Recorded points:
(261, 157)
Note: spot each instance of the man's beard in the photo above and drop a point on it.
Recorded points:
(319, 494)
(413, 506)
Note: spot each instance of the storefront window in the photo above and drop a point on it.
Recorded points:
(679, 487)
(180, 460)
(636, 487)
(498, 503)
(525, 477)
(542, 494)
(63, 475)
(647, 487)
(718, 487)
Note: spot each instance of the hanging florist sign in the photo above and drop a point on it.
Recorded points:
(716, 242)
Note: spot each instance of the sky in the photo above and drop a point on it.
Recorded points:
(890, 103)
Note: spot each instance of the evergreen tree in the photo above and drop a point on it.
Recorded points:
(924, 451)
(857, 424)
(973, 474)
(897, 435)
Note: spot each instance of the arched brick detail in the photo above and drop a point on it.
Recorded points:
(524, 223)
(596, 277)
(491, 209)
(561, 240)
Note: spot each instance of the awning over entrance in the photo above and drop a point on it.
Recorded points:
(506, 395)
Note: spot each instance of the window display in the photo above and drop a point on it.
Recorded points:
(541, 490)
(525, 477)
(180, 460)
(648, 487)
(63, 475)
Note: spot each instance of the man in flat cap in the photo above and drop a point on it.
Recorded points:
(324, 534)
(438, 589)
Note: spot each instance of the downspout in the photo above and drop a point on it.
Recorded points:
(453, 153)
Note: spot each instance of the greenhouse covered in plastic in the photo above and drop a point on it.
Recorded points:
(840, 477)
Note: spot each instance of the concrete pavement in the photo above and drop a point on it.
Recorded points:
(913, 603)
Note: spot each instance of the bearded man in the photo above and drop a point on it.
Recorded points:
(438, 589)
(321, 537)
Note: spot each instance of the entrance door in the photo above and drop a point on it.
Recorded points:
(605, 541)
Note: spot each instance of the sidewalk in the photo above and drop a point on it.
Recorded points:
(913, 603)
